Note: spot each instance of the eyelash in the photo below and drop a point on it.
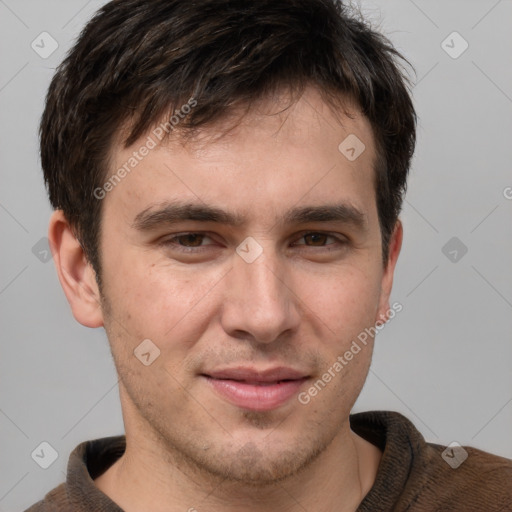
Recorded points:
(171, 242)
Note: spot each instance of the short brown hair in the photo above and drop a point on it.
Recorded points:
(138, 60)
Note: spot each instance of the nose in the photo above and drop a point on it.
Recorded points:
(259, 301)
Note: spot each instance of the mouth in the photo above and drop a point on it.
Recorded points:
(262, 390)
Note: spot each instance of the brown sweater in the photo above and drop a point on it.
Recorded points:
(413, 475)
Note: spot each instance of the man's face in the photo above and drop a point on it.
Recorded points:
(231, 328)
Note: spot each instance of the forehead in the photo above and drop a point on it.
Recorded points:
(271, 159)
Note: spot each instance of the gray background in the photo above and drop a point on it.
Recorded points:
(444, 361)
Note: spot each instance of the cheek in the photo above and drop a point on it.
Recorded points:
(155, 300)
(345, 300)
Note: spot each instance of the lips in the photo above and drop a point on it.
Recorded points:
(257, 390)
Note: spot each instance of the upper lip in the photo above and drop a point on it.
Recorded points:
(254, 375)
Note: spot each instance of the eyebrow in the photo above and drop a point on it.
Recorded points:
(173, 212)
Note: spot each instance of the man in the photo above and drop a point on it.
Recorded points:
(227, 178)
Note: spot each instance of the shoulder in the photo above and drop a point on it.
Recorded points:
(466, 478)
(419, 476)
(87, 461)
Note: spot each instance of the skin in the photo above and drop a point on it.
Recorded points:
(300, 304)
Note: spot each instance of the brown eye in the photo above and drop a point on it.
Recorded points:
(316, 239)
(190, 239)
(319, 239)
(188, 242)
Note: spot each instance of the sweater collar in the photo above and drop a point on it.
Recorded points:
(402, 445)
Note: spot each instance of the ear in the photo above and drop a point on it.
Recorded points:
(76, 275)
(395, 244)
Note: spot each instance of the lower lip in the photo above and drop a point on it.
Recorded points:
(256, 397)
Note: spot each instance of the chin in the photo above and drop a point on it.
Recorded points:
(256, 466)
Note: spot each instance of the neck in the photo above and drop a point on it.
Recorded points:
(148, 477)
